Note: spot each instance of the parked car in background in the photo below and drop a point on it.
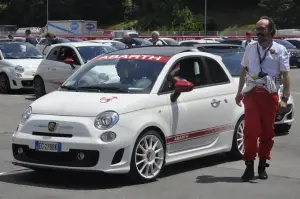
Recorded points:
(293, 52)
(75, 40)
(132, 42)
(232, 57)
(167, 41)
(62, 61)
(18, 64)
(44, 47)
(294, 41)
(233, 41)
(195, 42)
(116, 44)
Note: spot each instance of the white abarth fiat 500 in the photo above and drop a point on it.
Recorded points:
(134, 111)
(18, 64)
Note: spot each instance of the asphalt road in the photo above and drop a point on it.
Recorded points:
(206, 178)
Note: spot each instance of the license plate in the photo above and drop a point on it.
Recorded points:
(47, 146)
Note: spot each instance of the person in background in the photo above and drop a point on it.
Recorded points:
(248, 39)
(155, 39)
(263, 62)
(51, 39)
(30, 39)
(10, 37)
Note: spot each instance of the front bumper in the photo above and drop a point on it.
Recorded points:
(77, 135)
(21, 82)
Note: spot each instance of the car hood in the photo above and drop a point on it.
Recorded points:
(83, 104)
(25, 63)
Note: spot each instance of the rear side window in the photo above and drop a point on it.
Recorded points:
(53, 54)
(217, 73)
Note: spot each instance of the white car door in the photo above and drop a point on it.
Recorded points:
(64, 70)
(198, 117)
(47, 69)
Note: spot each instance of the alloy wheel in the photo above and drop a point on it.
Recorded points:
(240, 137)
(149, 156)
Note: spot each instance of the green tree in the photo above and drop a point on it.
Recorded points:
(283, 12)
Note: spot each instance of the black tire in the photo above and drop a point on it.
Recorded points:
(134, 174)
(235, 153)
(282, 128)
(39, 87)
(4, 84)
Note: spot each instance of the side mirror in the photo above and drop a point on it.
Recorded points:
(70, 61)
(181, 86)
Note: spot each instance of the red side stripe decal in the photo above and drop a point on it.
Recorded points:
(197, 134)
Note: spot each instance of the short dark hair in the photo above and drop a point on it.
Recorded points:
(28, 31)
(50, 35)
(271, 26)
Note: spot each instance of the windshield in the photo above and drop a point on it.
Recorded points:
(19, 51)
(87, 53)
(285, 43)
(171, 42)
(232, 59)
(117, 74)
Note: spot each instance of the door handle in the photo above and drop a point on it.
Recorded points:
(215, 103)
(53, 69)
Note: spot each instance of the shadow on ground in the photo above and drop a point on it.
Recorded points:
(206, 179)
(94, 181)
(19, 92)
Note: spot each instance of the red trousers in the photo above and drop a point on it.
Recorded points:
(260, 114)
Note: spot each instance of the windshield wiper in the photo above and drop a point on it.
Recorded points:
(68, 88)
(33, 57)
(11, 57)
(101, 88)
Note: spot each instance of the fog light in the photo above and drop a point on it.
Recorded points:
(108, 136)
(20, 151)
(80, 156)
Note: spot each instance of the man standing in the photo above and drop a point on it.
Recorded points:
(155, 39)
(248, 39)
(30, 38)
(264, 62)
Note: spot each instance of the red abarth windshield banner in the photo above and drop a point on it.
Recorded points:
(155, 58)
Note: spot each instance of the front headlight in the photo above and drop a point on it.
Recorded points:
(106, 120)
(26, 115)
(19, 69)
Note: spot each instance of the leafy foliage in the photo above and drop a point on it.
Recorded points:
(150, 14)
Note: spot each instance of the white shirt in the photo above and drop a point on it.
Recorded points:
(244, 43)
(277, 59)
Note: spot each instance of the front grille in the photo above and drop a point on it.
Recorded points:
(56, 159)
(27, 83)
(52, 134)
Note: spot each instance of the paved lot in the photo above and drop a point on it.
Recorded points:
(207, 178)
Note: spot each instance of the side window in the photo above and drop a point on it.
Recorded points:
(190, 69)
(217, 73)
(43, 42)
(53, 55)
(67, 52)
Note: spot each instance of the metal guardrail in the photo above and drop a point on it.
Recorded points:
(283, 32)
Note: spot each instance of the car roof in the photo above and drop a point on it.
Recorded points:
(81, 44)
(154, 50)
